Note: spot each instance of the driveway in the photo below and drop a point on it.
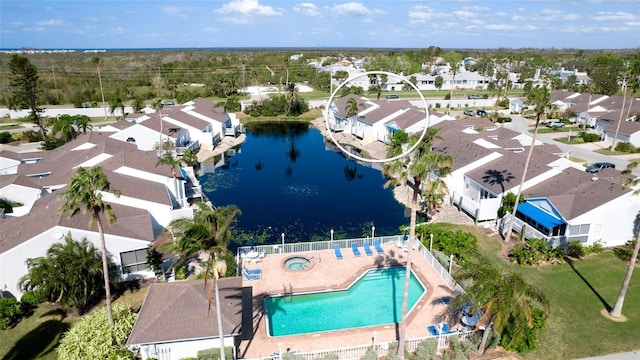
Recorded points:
(585, 152)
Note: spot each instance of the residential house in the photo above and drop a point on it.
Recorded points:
(577, 206)
(30, 236)
(175, 323)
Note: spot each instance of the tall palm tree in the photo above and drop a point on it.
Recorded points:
(375, 89)
(117, 103)
(433, 195)
(503, 297)
(415, 167)
(157, 106)
(616, 311)
(96, 61)
(210, 232)
(541, 99)
(84, 193)
(292, 91)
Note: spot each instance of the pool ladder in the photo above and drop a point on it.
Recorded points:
(288, 292)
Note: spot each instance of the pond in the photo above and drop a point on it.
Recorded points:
(285, 178)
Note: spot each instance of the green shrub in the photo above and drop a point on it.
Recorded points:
(181, 272)
(5, 137)
(10, 312)
(93, 338)
(33, 136)
(31, 299)
(624, 147)
(575, 249)
(17, 136)
(426, 350)
(589, 137)
(596, 248)
(437, 105)
(528, 341)
(462, 245)
(214, 353)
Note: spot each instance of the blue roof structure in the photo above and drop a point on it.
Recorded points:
(540, 216)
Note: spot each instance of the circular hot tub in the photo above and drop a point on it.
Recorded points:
(297, 263)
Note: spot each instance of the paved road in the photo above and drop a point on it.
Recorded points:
(584, 151)
(631, 355)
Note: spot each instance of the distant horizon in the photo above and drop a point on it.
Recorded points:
(26, 48)
(343, 24)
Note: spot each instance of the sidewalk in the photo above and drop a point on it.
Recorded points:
(631, 355)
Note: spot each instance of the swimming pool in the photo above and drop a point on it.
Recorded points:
(374, 299)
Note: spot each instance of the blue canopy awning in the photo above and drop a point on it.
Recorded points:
(540, 216)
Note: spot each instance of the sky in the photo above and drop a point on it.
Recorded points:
(449, 24)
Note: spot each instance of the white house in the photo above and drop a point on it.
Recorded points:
(173, 322)
(30, 236)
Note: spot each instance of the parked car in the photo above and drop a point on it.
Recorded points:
(481, 112)
(474, 97)
(392, 96)
(469, 112)
(595, 167)
(167, 102)
(554, 123)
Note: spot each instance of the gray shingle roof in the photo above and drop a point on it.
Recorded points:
(132, 222)
(178, 311)
(574, 192)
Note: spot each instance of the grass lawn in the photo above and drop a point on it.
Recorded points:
(37, 336)
(578, 292)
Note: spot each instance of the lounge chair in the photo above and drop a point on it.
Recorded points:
(336, 249)
(253, 271)
(444, 328)
(248, 276)
(367, 248)
(376, 244)
(354, 247)
(433, 330)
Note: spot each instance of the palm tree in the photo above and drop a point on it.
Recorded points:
(616, 311)
(84, 193)
(210, 232)
(415, 167)
(503, 297)
(375, 89)
(157, 106)
(96, 61)
(117, 103)
(292, 91)
(69, 274)
(433, 195)
(541, 99)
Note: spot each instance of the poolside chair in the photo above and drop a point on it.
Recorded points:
(336, 250)
(247, 276)
(433, 330)
(253, 271)
(367, 248)
(444, 328)
(354, 248)
(376, 244)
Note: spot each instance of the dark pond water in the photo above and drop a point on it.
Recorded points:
(287, 179)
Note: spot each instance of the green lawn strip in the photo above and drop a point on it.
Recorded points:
(10, 126)
(575, 327)
(36, 336)
(606, 151)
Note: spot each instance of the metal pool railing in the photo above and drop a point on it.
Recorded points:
(291, 248)
(381, 349)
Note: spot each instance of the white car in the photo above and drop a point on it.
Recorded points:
(554, 123)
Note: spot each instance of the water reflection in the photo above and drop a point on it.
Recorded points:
(312, 189)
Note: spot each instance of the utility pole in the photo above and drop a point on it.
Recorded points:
(624, 98)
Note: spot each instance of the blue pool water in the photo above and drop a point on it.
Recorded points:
(375, 299)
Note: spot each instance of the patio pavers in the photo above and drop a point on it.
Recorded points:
(327, 273)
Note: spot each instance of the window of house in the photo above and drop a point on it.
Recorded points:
(135, 260)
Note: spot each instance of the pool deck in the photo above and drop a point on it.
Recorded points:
(329, 273)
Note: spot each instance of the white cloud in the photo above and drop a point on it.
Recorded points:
(15, 23)
(613, 16)
(351, 9)
(33, 29)
(210, 29)
(50, 22)
(248, 7)
(555, 15)
(178, 11)
(307, 9)
(421, 14)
